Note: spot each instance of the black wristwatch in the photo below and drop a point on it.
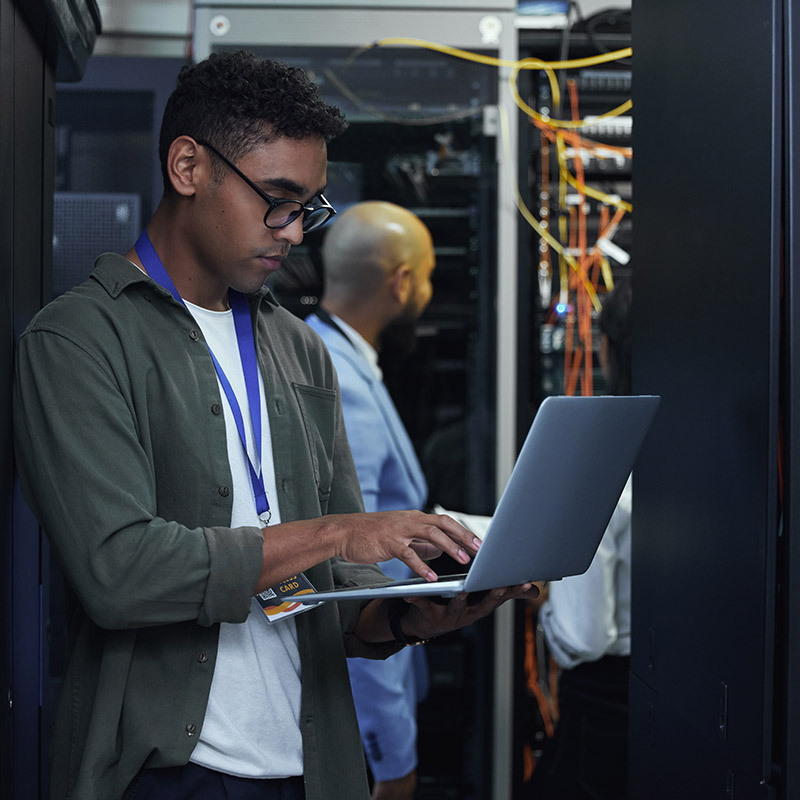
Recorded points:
(397, 609)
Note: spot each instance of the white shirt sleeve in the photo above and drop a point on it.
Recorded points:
(588, 616)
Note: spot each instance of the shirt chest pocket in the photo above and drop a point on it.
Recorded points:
(318, 410)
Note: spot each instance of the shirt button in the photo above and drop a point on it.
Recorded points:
(224, 491)
(194, 335)
(202, 657)
(191, 729)
(216, 408)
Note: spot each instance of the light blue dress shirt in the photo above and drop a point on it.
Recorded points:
(386, 693)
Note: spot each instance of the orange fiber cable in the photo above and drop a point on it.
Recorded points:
(576, 140)
(532, 674)
(596, 252)
(584, 313)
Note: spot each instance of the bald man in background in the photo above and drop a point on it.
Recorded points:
(377, 262)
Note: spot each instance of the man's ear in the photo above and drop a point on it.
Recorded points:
(187, 165)
(400, 283)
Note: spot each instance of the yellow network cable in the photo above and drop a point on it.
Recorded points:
(537, 63)
(608, 276)
(582, 187)
(575, 63)
(443, 48)
(591, 61)
(527, 63)
(540, 229)
(559, 123)
(466, 55)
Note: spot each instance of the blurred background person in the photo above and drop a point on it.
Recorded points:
(377, 264)
(586, 621)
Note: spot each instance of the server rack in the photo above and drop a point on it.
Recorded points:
(547, 310)
(711, 662)
(444, 388)
(606, 170)
(40, 42)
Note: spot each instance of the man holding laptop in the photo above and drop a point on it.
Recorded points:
(174, 524)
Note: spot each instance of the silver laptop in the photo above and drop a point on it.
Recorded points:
(556, 505)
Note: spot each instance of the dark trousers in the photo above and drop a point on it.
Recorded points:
(588, 758)
(193, 782)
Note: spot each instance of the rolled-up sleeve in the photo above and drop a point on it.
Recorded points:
(83, 461)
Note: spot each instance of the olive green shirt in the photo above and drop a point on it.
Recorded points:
(121, 451)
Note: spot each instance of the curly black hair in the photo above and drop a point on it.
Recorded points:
(237, 100)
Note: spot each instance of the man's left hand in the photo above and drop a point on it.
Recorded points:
(428, 618)
(398, 789)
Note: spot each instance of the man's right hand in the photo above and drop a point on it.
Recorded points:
(411, 536)
(363, 538)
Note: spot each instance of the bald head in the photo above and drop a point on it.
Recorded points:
(366, 244)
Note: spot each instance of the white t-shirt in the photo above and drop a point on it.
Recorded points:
(252, 723)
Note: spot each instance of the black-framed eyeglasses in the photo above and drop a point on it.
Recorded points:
(281, 213)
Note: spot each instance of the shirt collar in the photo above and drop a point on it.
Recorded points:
(115, 274)
(369, 353)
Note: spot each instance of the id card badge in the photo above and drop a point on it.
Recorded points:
(276, 602)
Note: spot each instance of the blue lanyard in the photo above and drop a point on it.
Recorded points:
(247, 353)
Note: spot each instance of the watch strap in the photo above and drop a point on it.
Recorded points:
(397, 609)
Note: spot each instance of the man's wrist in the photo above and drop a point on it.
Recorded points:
(397, 609)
